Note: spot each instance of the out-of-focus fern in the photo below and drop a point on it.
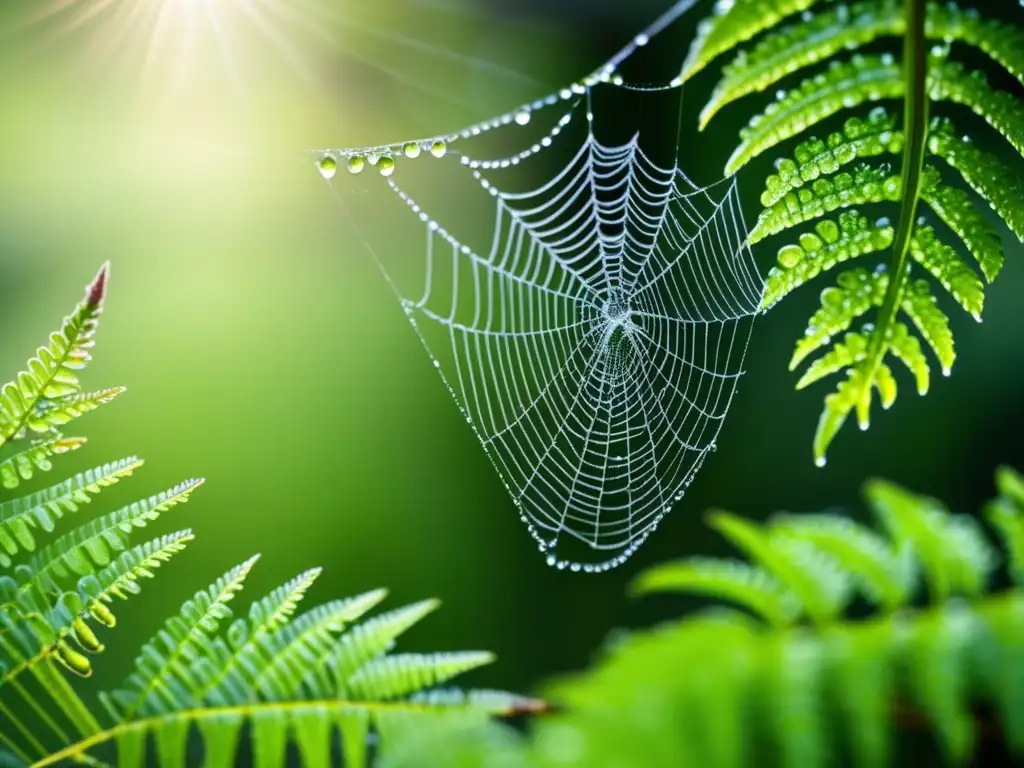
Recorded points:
(272, 677)
(783, 676)
(834, 182)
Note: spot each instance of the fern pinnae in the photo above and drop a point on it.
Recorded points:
(23, 465)
(844, 85)
(47, 415)
(52, 372)
(151, 688)
(310, 636)
(735, 581)
(735, 22)
(398, 675)
(43, 508)
(92, 546)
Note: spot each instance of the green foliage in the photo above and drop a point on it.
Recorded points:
(786, 677)
(274, 676)
(849, 171)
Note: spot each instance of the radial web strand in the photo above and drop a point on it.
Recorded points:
(590, 327)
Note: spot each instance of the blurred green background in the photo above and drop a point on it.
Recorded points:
(262, 350)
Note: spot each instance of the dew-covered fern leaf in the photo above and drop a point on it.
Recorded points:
(53, 373)
(853, 171)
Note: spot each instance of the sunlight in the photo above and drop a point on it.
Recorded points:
(164, 40)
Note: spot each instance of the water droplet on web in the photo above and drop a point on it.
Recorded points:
(411, 150)
(438, 148)
(523, 116)
(328, 166)
(437, 363)
(386, 165)
(641, 40)
(551, 559)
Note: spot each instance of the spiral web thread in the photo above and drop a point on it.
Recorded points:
(595, 348)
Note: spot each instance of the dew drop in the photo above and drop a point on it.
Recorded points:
(641, 40)
(523, 117)
(328, 166)
(356, 163)
(386, 165)
(820, 461)
(551, 559)
(411, 149)
(438, 148)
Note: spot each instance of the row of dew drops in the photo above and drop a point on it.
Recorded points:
(383, 158)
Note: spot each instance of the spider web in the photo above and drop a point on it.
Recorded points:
(593, 335)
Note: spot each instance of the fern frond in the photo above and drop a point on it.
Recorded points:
(953, 554)
(47, 415)
(931, 322)
(92, 546)
(166, 658)
(796, 46)
(735, 22)
(867, 184)
(958, 213)
(52, 373)
(830, 244)
(858, 140)
(884, 573)
(842, 86)
(858, 291)
(735, 581)
(43, 508)
(951, 81)
(821, 589)
(276, 609)
(23, 465)
(845, 27)
(986, 174)
(394, 676)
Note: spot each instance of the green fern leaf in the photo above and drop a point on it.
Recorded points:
(276, 609)
(735, 581)
(793, 684)
(814, 158)
(372, 638)
(42, 509)
(155, 686)
(884, 574)
(939, 679)
(954, 556)
(47, 415)
(988, 176)
(392, 677)
(946, 266)
(802, 44)
(931, 322)
(843, 86)
(830, 244)
(867, 184)
(951, 81)
(299, 653)
(821, 589)
(907, 349)
(52, 373)
(23, 465)
(858, 292)
(734, 22)
(844, 354)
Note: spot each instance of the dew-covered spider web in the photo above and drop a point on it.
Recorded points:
(586, 303)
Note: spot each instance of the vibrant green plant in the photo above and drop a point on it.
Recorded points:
(847, 171)
(786, 678)
(270, 677)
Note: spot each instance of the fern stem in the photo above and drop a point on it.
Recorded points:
(915, 124)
